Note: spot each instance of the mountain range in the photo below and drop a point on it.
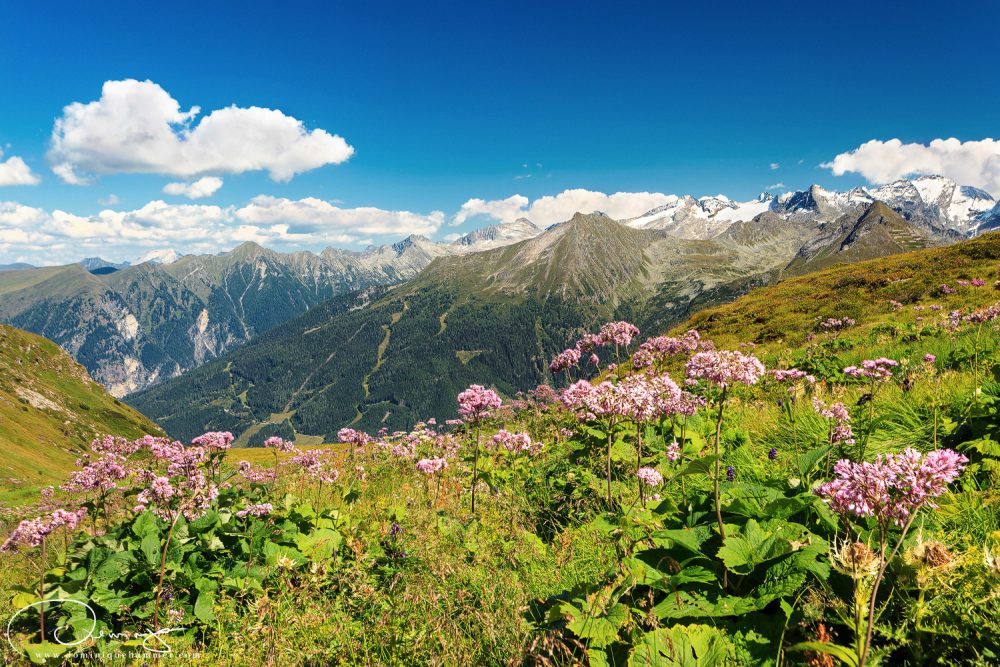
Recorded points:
(392, 356)
(135, 325)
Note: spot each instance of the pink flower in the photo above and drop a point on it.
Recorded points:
(978, 282)
(724, 368)
(432, 466)
(214, 440)
(836, 324)
(673, 451)
(260, 509)
(477, 402)
(879, 370)
(893, 488)
(649, 476)
(279, 444)
(618, 333)
(31, 533)
(565, 359)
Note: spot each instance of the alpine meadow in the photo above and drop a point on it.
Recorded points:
(420, 334)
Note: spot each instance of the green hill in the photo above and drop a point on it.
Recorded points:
(50, 411)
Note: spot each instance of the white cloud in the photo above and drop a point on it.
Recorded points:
(137, 127)
(775, 165)
(314, 215)
(58, 236)
(14, 171)
(975, 163)
(110, 200)
(205, 186)
(550, 209)
(776, 186)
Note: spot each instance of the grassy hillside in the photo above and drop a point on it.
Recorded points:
(50, 410)
(728, 556)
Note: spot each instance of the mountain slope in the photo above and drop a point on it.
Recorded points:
(136, 326)
(388, 358)
(876, 232)
(50, 411)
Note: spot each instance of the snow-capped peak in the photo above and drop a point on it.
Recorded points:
(162, 256)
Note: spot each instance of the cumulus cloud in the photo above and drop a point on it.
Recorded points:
(58, 236)
(775, 165)
(206, 186)
(137, 127)
(14, 171)
(975, 163)
(312, 215)
(776, 186)
(550, 209)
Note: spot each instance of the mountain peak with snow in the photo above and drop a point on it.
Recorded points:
(161, 256)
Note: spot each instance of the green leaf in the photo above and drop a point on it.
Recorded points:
(320, 544)
(151, 548)
(680, 646)
(599, 631)
(808, 461)
(700, 466)
(203, 607)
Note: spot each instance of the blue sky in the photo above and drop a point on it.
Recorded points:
(443, 102)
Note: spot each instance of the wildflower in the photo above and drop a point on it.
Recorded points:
(259, 509)
(878, 370)
(254, 475)
(432, 466)
(929, 358)
(836, 324)
(673, 451)
(772, 454)
(214, 440)
(892, 488)
(895, 305)
(395, 529)
(512, 442)
(725, 367)
(32, 532)
(279, 444)
(649, 476)
(945, 289)
(565, 359)
(730, 473)
(618, 333)
(285, 563)
(477, 402)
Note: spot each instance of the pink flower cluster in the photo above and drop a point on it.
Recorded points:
(724, 368)
(792, 375)
(432, 466)
(985, 314)
(255, 475)
(660, 347)
(649, 476)
(565, 359)
(356, 438)
(879, 370)
(836, 323)
(259, 509)
(637, 397)
(214, 441)
(892, 488)
(837, 413)
(31, 532)
(477, 402)
(280, 444)
(618, 333)
(513, 442)
(673, 451)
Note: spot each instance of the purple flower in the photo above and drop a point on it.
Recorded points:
(649, 476)
(673, 451)
(892, 488)
(477, 402)
(724, 368)
(772, 454)
(730, 473)
(260, 509)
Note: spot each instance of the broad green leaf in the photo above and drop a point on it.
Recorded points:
(680, 646)
(203, 607)
(320, 544)
(151, 548)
